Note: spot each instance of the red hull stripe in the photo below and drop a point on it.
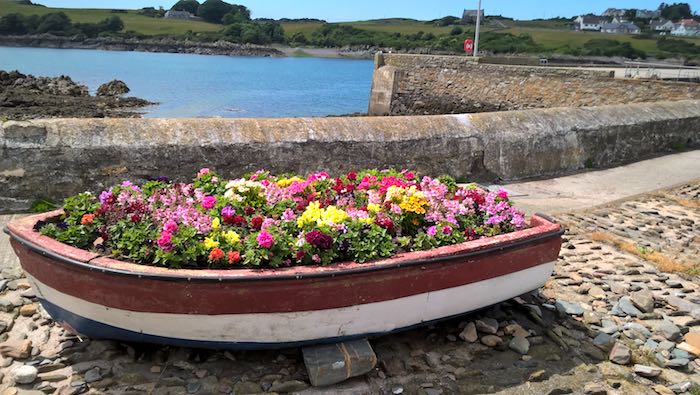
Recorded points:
(212, 298)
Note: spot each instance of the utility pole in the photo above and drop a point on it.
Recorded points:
(476, 34)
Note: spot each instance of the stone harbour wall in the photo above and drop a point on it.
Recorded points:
(55, 158)
(432, 84)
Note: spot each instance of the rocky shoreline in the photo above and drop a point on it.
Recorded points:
(165, 44)
(25, 97)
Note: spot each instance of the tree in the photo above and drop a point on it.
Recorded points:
(456, 31)
(299, 38)
(214, 10)
(190, 6)
(54, 23)
(676, 11)
(238, 14)
(112, 24)
(13, 24)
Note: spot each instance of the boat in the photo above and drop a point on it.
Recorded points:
(105, 298)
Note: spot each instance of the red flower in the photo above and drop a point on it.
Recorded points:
(319, 240)
(352, 176)
(239, 221)
(234, 257)
(135, 218)
(87, 219)
(409, 175)
(386, 223)
(300, 255)
(249, 210)
(257, 222)
(216, 255)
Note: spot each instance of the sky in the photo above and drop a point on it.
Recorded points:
(353, 10)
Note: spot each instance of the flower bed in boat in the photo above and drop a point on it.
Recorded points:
(264, 220)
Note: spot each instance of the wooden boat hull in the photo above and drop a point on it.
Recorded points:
(264, 308)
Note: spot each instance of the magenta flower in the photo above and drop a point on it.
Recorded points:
(165, 242)
(170, 226)
(503, 194)
(432, 231)
(228, 212)
(208, 202)
(265, 240)
(446, 230)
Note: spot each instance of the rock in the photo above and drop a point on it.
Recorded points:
(597, 293)
(17, 349)
(93, 375)
(682, 305)
(674, 284)
(193, 387)
(668, 330)
(519, 344)
(689, 348)
(113, 88)
(289, 386)
(487, 325)
(28, 310)
(677, 363)
(328, 364)
(666, 345)
(681, 387)
(24, 374)
(643, 300)
(6, 305)
(647, 371)
(539, 375)
(469, 333)
(603, 340)
(491, 340)
(620, 354)
(662, 390)
(609, 327)
(569, 308)
(628, 307)
(247, 387)
(639, 328)
(594, 389)
(560, 391)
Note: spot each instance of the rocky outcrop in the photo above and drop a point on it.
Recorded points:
(25, 97)
(165, 44)
(113, 88)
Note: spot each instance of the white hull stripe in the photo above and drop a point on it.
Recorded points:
(289, 327)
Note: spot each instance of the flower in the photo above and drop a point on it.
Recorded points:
(165, 242)
(208, 202)
(234, 257)
(202, 172)
(503, 194)
(210, 243)
(87, 219)
(265, 239)
(227, 212)
(231, 237)
(319, 240)
(257, 222)
(330, 215)
(216, 255)
(170, 226)
(446, 230)
(215, 223)
(432, 231)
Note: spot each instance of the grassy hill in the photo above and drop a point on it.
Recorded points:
(551, 35)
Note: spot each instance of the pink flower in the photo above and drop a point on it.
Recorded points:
(202, 172)
(503, 194)
(170, 226)
(209, 202)
(432, 231)
(265, 240)
(288, 215)
(446, 230)
(165, 242)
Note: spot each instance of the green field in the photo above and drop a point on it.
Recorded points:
(132, 20)
(552, 35)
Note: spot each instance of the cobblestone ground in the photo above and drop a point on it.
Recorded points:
(609, 321)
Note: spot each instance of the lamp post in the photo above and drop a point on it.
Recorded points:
(476, 33)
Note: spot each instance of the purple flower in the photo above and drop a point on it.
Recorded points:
(209, 202)
(432, 231)
(265, 240)
(228, 212)
(106, 197)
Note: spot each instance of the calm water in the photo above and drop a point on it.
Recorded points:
(209, 86)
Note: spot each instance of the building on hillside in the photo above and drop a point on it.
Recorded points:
(469, 16)
(661, 26)
(589, 22)
(614, 12)
(647, 14)
(620, 28)
(686, 28)
(174, 14)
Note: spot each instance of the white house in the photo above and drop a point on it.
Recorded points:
(687, 28)
(620, 28)
(588, 22)
(661, 26)
(174, 14)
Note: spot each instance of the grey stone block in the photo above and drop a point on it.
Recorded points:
(333, 363)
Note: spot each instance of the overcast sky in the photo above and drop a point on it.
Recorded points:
(352, 10)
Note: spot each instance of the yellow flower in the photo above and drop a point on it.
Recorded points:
(326, 216)
(215, 223)
(210, 243)
(415, 204)
(368, 220)
(285, 182)
(232, 237)
(373, 208)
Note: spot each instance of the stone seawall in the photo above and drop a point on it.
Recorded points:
(431, 84)
(56, 158)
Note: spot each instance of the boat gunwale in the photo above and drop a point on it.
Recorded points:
(22, 232)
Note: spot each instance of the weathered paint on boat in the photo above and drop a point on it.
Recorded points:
(268, 308)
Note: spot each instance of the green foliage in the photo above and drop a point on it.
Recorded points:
(54, 23)
(151, 12)
(238, 14)
(42, 206)
(367, 242)
(456, 31)
(678, 47)
(214, 10)
(77, 206)
(133, 241)
(298, 38)
(509, 43)
(186, 252)
(57, 24)
(444, 21)
(675, 11)
(607, 47)
(190, 6)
